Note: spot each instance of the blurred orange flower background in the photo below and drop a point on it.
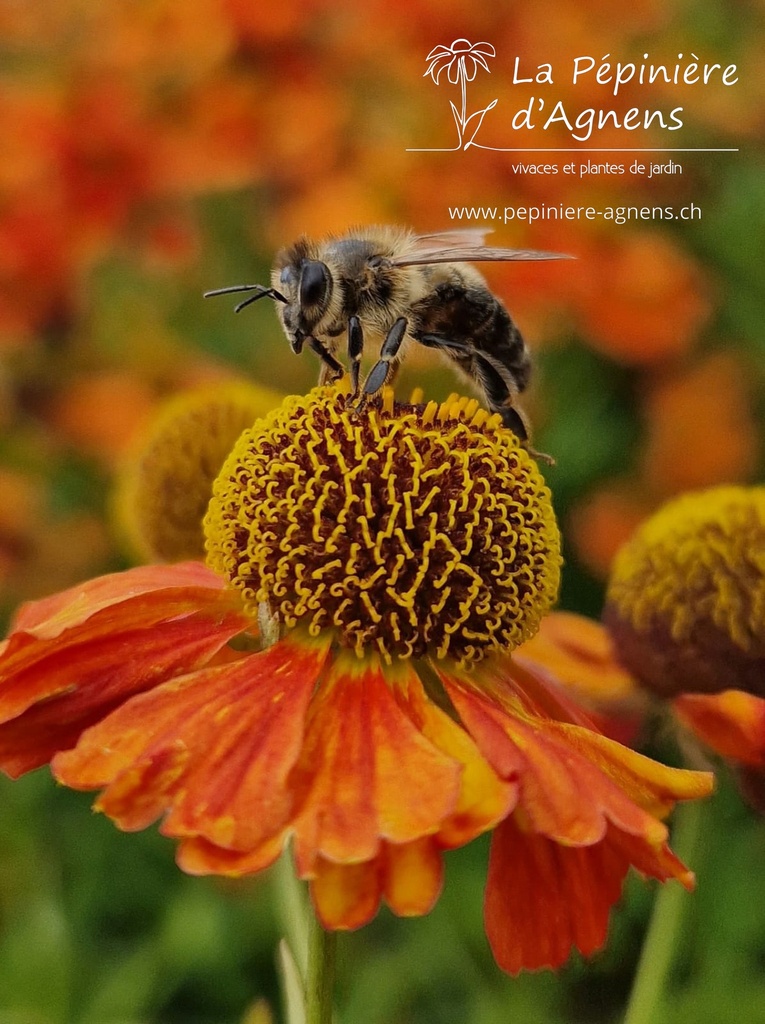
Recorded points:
(153, 150)
(148, 155)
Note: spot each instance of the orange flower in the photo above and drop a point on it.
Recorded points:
(686, 612)
(643, 301)
(397, 556)
(686, 599)
(104, 156)
(35, 262)
(701, 430)
(684, 622)
(99, 411)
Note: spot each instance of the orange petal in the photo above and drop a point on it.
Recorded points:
(521, 684)
(346, 896)
(546, 694)
(484, 798)
(139, 599)
(199, 856)
(413, 876)
(572, 780)
(51, 616)
(366, 772)
(732, 723)
(544, 899)
(652, 785)
(214, 749)
(409, 876)
(578, 652)
(654, 861)
(53, 689)
(555, 787)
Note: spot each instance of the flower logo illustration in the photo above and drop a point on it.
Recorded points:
(461, 61)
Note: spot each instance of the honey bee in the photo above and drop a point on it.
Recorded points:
(393, 287)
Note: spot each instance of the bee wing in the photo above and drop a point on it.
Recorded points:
(446, 239)
(470, 253)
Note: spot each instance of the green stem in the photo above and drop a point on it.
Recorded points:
(661, 941)
(322, 950)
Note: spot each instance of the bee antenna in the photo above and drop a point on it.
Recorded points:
(231, 289)
(260, 292)
(246, 302)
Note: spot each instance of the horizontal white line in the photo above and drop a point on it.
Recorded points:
(579, 149)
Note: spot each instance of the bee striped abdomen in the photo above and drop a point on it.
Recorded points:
(476, 318)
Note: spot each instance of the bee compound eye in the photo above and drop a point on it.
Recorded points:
(315, 283)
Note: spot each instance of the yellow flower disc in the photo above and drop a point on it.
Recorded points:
(405, 529)
(686, 600)
(166, 482)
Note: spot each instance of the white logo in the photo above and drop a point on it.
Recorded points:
(461, 61)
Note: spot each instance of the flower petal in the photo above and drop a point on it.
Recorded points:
(486, 49)
(440, 51)
(551, 778)
(572, 780)
(437, 66)
(409, 876)
(654, 861)
(214, 749)
(346, 896)
(540, 692)
(484, 798)
(51, 616)
(413, 876)
(652, 785)
(199, 856)
(470, 68)
(543, 899)
(579, 653)
(366, 772)
(52, 689)
(106, 607)
(732, 723)
(573, 655)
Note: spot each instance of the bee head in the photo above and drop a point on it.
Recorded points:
(308, 286)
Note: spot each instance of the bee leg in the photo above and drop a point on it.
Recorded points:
(494, 381)
(355, 351)
(498, 389)
(501, 395)
(385, 365)
(331, 369)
